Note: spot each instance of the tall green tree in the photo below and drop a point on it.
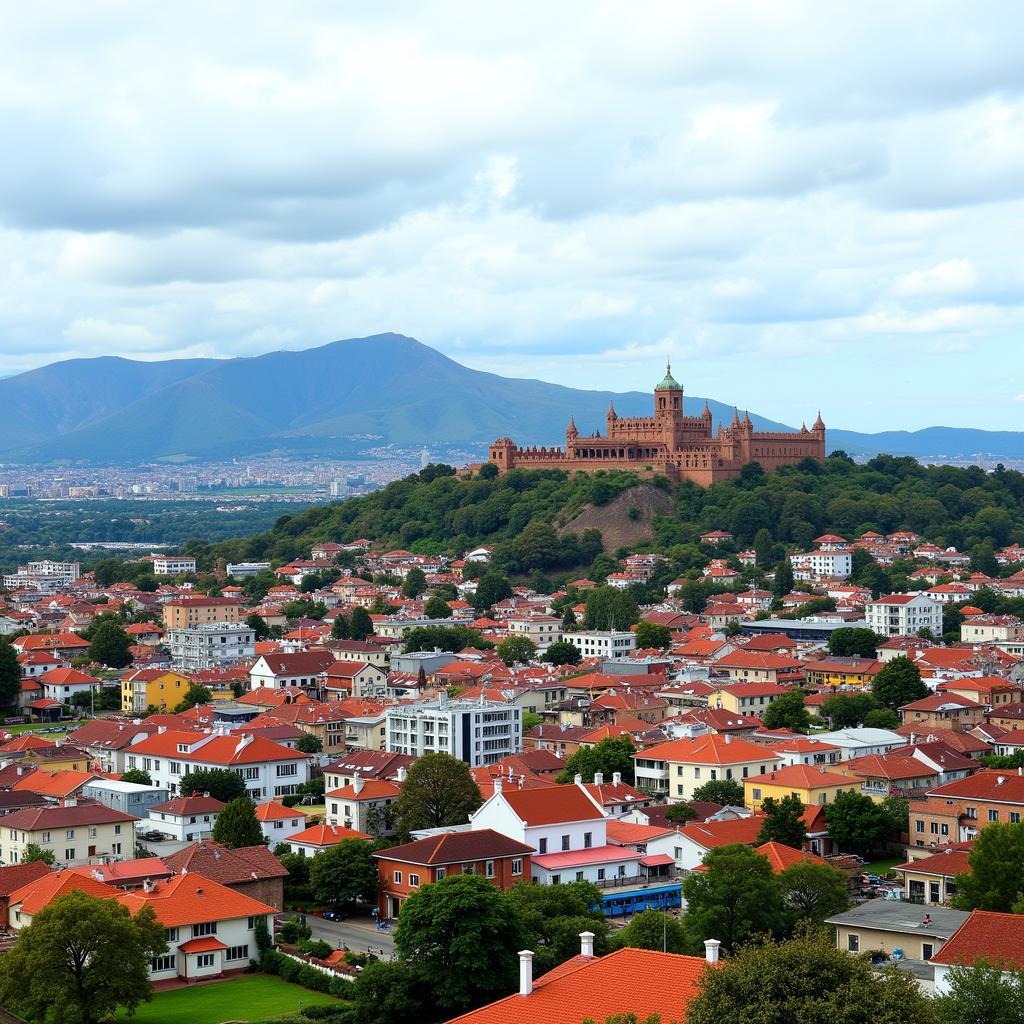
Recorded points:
(982, 993)
(805, 981)
(390, 992)
(735, 898)
(517, 650)
(652, 634)
(193, 695)
(339, 627)
(854, 642)
(814, 891)
(437, 608)
(844, 710)
(783, 582)
(10, 675)
(491, 588)
(33, 852)
(437, 791)
(307, 743)
(81, 960)
(360, 625)
(610, 608)
(856, 824)
(554, 916)
(610, 755)
(783, 821)
(727, 792)
(221, 783)
(653, 929)
(996, 878)
(787, 711)
(563, 652)
(258, 625)
(415, 582)
(764, 548)
(236, 825)
(137, 776)
(110, 645)
(897, 683)
(345, 874)
(460, 936)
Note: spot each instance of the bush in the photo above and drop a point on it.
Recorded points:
(291, 799)
(316, 947)
(293, 931)
(287, 969)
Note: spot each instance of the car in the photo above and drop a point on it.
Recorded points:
(153, 836)
(334, 915)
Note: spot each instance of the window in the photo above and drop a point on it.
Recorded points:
(1015, 817)
(489, 868)
(927, 950)
(756, 794)
(579, 876)
(117, 830)
(935, 828)
(565, 842)
(252, 923)
(204, 928)
(853, 943)
(919, 825)
(163, 963)
(556, 879)
(70, 834)
(517, 866)
(600, 874)
(398, 878)
(588, 840)
(440, 873)
(993, 815)
(69, 854)
(237, 953)
(171, 934)
(542, 847)
(204, 960)
(696, 773)
(287, 769)
(414, 880)
(46, 837)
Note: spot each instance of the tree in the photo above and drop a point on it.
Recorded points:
(221, 783)
(415, 582)
(360, 625)
(531, 720)
(345, 874)
(845, 710)
(110, 645)
(517, 650)
(680, 813)
(236, 825)
(10, 674)
(445, 638)
(610, 608)
(81, 960)
(137, 776)
(608, 756)
(783, 582)
(193, 695)
(459, 935)
(735, 898)
(764, 548)
(897, 683)
(853, 642)
(787, 711)
(554, 916)
(652, 634)
(562, 652)
(726, 792)
(390, 992)
(856, 823)
(805, 981)
(33, 853)
(339, 627)
(783, 821)
(997, 869)
(815, 891)
(537, 546)
(982, 993)
(491, 588)
(437, 608)
(307, 743)
(437, 791)
(882, 718)
(653, 929)
(258, 625)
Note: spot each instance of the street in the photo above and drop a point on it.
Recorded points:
(358, 933)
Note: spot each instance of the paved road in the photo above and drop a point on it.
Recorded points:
(357, 933)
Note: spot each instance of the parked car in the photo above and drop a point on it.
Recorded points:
(334, 915)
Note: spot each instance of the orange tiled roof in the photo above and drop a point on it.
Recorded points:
(999, 938)
(326, 835)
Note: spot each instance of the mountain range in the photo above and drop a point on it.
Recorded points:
(337, 400)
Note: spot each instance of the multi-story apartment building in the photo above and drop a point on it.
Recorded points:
(543, 630)
(603, 643)
(43, 576)
(197, 611)
(172, 565)
(477, 732)
(211, 645)
(145, 688)
(242, 570)
(957, 811)
(268, 769)
(903, 615)
(76, 832)
(823, 564)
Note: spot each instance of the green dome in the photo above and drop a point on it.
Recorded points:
(669, 383)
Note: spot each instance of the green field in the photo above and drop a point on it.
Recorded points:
(252, 998)
(880, 867)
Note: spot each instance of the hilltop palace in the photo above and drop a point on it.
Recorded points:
(668, 444)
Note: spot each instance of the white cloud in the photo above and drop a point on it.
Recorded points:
(950, 277)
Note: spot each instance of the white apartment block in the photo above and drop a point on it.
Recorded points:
(243, 570)
(44, 575)
(477, 732)
(211, 645)
(543, 630)
(603, 643)
(824, 564)
(172, 565)
(903, 615)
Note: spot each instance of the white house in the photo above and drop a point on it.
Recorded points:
(603, 643)
(283, 671)
(822, 564)
(279, 823)
(186, 819)
(903, 615)
(172, 565)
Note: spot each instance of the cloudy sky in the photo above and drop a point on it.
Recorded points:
(804, 204)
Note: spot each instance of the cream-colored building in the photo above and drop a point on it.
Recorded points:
(75, 832)
(891, 926)
(199, 611)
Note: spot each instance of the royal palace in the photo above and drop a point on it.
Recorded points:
(669, 444)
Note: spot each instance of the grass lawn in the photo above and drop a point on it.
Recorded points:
(311, 809)
(36, 726)
(880, 867)
(251, 998)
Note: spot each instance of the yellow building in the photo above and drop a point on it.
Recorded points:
(841, 671)
(813, 785)
(746, 698)
(152, 687)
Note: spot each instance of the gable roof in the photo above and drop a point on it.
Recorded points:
(191, 898)
(551, 804)
(711, 748)
(326, 835)
(456, 848)
(229, 867)
(998, 938)
(781, 856)
(14, 876)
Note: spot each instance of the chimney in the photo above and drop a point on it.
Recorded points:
(711, 950)
(402, 775)
(147, 885)
(598, 778)
(728, 737)
(578, 779)
(616, 779)
(357, 783)
(525, 972)
(161, 729)
(497, 785)
(587, 944)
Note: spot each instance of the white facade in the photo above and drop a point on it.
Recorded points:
(44, 575)
(280, 830)
(477, 732)
(172, 565)
(242, 570)
(211, 645)
(543, 630)
(903, 615)
(832, 564)
(182, 828)
(600, 643)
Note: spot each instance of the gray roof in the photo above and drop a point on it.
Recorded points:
(898, 916)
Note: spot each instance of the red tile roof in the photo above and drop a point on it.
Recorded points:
(781, 857)
(710, 748)
(229, 867)
(457, 848)
(196, 804)
(803, 776)
(223, 750)
(192, 898)
(14, 876)
(998, 938)
(326, 835)
(1000, 786)
(552, 804)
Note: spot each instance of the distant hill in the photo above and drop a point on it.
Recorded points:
(335, 400)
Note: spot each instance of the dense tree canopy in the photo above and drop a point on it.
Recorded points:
(438, 790)
(554, 915)
(345, 873)
(783, 821)
(897, 683)
(610, 755)
(720, 791)
(996, 878)
(236, 825)
(221, 783)
(852, 642)
(787, 711)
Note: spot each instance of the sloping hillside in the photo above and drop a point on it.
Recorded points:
(625, 520)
